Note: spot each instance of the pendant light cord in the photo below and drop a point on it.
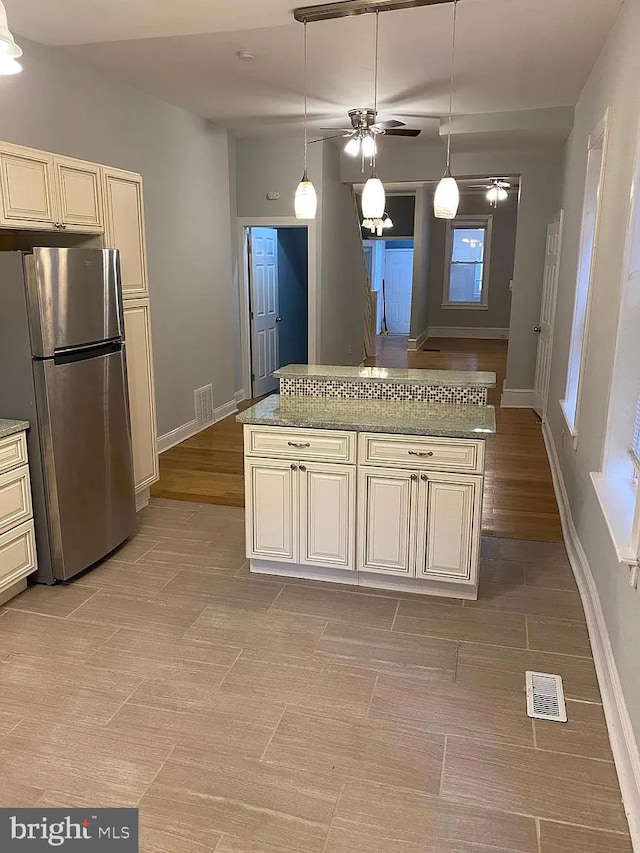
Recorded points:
(453, 55)
(375, 85)
(306, 81)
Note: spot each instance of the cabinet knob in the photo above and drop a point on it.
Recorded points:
(537, 329)
(424, 478)
(294, 467)
(303, 467)
(414, 477)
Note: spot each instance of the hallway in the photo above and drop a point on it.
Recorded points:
(519, 501)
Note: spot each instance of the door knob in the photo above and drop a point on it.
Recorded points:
(537, 329)
(278, 319)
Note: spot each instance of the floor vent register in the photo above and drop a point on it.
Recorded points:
(545, 697)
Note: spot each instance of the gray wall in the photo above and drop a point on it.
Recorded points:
(541, 179)
(613, 83)
(59, 105)
(502, 257)
(293, 302)
(421, 254)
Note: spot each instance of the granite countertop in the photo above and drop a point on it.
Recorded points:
(8, 427)
(452, 420)
(469, 378)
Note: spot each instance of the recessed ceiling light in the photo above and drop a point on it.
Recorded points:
(245, 56)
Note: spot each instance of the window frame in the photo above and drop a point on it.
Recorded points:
(617, 484)
(484, 221)
(570, 404)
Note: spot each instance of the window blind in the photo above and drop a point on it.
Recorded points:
(635, 445)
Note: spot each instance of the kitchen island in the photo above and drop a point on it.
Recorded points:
(370, 477)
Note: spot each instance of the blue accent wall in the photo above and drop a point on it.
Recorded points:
(293, 295)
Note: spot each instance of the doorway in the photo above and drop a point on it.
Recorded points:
(277, 265)
(390, 265)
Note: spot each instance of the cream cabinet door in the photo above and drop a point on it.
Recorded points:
(27, 184)
(448, 528)
(142, 401)
(125, 228)
(80, 195)
(327, 515)
(272, 516)
(386, 501)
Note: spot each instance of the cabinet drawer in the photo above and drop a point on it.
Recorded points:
(15, 498)
(17, 554)
(313, 445)
(13, 451)
(442, 454)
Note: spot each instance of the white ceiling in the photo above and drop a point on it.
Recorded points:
(512, 55)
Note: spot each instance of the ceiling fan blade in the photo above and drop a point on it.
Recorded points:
(326, 138)
(387, 125)
(347, 130)
(403, 131)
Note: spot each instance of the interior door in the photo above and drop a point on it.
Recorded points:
(547, 315)
(264, 309)
(398, 280)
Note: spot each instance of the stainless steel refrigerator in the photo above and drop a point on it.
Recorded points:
(63, 368)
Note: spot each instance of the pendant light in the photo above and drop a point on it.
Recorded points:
(9, 50)
(373, 195)
(447, 196)
(306, 200)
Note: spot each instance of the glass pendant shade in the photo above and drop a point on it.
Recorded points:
(306, 201)
(9, 50)
(373, 199)
(388, 222)
(353, 147)
(369, 147)
(446, 199)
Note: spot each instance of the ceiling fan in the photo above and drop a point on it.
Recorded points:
(497, 190)
(364, 130)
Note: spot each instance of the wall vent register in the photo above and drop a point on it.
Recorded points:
(203, 400)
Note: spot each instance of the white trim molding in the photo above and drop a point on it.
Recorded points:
(517, 398)
(477, 332)
(416, 344)
(240, 396)
(188, 430)
(623, 742)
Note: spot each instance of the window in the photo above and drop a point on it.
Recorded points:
(588, 242)
(467, 267)
(617, 485)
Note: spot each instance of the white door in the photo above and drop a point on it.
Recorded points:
(398, 284)
(385, 521)
(327, 515)
(547, 315)
(264, 309)
(448, 526)
(272, 510)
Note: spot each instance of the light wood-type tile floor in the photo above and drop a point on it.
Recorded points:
(519, 500)
(244, 714)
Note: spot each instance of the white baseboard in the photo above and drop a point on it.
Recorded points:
(416, 344)
(471, 332)
(142, 499)
(188, 430)
(623, 742)
(517, 398)
(240, 396)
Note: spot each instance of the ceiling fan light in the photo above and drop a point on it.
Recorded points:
(353, 146)
(373, 199)
(446, 199)
(387, 222)
(369, 147)
(306, 200)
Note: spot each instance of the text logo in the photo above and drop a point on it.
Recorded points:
(38, 830)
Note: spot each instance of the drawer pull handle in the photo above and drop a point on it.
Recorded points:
(299, 444)
(418, 453)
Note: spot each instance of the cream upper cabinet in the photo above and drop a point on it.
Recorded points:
(28, 189)
(448, 537)
(125, 228)
(80, 196)
(137, 323)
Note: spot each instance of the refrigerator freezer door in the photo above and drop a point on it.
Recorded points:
(86, 449)
(74, 298)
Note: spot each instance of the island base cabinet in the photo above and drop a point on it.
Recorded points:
(301, 513)
(448, 536)
(142, 403)
(270, 495)
(385, 521)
